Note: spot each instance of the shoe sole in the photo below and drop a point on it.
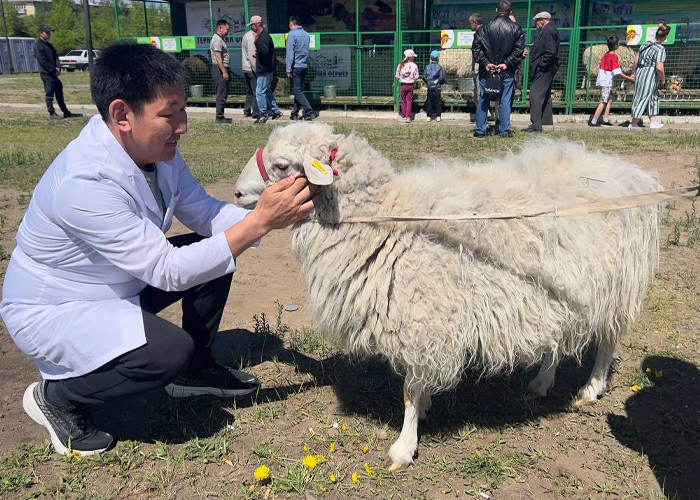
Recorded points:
(32, 409)
(181, 391)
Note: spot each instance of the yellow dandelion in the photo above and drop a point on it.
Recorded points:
(332, 448)
(658, 373)
(262, 473)
(648, 370)
(320, 458)
(334, 479)
(635, 388)
(344, 427)
(355, 478)
(365, 449)
(74, 455)
(368, 469)
(306, 448)
(309, 462)
(477, 453)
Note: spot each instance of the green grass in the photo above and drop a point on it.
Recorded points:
(28, 88)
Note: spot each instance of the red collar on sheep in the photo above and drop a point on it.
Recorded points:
(263, 170)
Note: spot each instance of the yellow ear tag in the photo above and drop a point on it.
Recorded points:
(317, 165)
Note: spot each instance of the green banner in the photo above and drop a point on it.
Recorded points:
(638, 34)
(280, 40)
(143, 39)
(188, 43)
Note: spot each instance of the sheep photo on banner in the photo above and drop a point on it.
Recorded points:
(435, 298)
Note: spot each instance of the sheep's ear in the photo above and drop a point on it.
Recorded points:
(318, 173)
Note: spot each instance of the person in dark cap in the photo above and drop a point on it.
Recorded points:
(49, 70)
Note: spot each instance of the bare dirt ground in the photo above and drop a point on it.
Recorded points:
(481, 440)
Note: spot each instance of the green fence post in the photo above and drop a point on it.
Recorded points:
(116, 17)
(211, 16)
(525, 62)
(572, 63)
(398, 51)
(358, 53)
(246, 12)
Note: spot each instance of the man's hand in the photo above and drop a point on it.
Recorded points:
(226, 76)
(490, 67)
(289, 75)
(58, 71)
(526, 52)
(255, 55)
(284, 203)
(501, 67)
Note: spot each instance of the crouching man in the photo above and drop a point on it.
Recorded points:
(92, 265)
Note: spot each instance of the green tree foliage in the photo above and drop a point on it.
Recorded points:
(17, 25)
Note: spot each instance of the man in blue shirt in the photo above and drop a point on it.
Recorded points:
(297, 54)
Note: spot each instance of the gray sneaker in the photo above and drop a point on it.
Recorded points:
(213, 379)
(71, 429)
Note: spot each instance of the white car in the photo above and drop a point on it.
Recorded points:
(77, 59)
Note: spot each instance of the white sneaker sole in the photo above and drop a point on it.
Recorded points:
(32, 409)
(180, 391)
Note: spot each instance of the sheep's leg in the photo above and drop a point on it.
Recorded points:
(595, 387)
(424, 404)
(402, 451)
(543, 382)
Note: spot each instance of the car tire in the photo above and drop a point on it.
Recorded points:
(70, 70)
(85, 67)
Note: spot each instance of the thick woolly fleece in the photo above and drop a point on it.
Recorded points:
(434, 298)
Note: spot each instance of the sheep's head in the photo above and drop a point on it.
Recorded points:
(290, 150)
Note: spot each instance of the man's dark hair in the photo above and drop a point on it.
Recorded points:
(504, 7)
(476, 17)
(134, 73)
(294, 20)
(612, 41)
(222, 22)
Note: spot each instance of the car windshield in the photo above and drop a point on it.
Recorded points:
(74, 53)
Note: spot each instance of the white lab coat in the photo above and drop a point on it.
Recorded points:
(91, 240)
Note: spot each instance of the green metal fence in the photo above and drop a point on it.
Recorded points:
(357, 67)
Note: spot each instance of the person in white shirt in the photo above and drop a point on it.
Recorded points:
(250, 108)
(92, 265)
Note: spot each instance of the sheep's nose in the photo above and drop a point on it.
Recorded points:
(238, 194)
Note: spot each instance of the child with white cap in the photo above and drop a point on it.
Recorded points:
(434, 76)
(407, 74)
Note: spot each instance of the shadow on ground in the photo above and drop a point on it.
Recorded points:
(663, 423)
(368, 388)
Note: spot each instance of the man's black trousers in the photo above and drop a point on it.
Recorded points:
(541, 99)
(221, 87)
(433, 103)
(300, 100)
(53, 86)
(169, 349)
(250, 108)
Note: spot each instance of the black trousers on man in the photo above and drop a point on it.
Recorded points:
(541, 99)
(250, 108)
(433, 103)
(300, 100)
(169, 349)
(221, 87)
(53, 86)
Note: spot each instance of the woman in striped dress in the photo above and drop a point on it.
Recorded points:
(648, 72)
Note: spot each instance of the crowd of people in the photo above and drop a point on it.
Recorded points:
(498, 49)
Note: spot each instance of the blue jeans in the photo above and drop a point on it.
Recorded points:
(263, 94)
(300, 100)
(504, 113)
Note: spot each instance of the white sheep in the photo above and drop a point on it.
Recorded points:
(435, 298)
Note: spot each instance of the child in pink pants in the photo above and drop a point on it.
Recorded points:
(407, 74)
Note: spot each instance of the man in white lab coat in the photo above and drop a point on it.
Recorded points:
(92, 264)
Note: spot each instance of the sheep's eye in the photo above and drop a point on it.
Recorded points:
(281, 166)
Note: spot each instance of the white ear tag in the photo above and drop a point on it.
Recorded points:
(318, 173)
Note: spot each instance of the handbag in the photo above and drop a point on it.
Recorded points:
(493, 86)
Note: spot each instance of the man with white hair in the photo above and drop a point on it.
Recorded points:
(544, 64)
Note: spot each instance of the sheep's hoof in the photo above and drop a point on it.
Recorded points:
(587, 396)
(581, 402)
(397, 466)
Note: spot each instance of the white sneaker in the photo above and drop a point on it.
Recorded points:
(633, 127)
(428, 119)
(438, 119)
(656, 125)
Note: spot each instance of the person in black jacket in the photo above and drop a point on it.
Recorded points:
(544, 64)
(498, 49)
(265, 64)
(49, 69)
